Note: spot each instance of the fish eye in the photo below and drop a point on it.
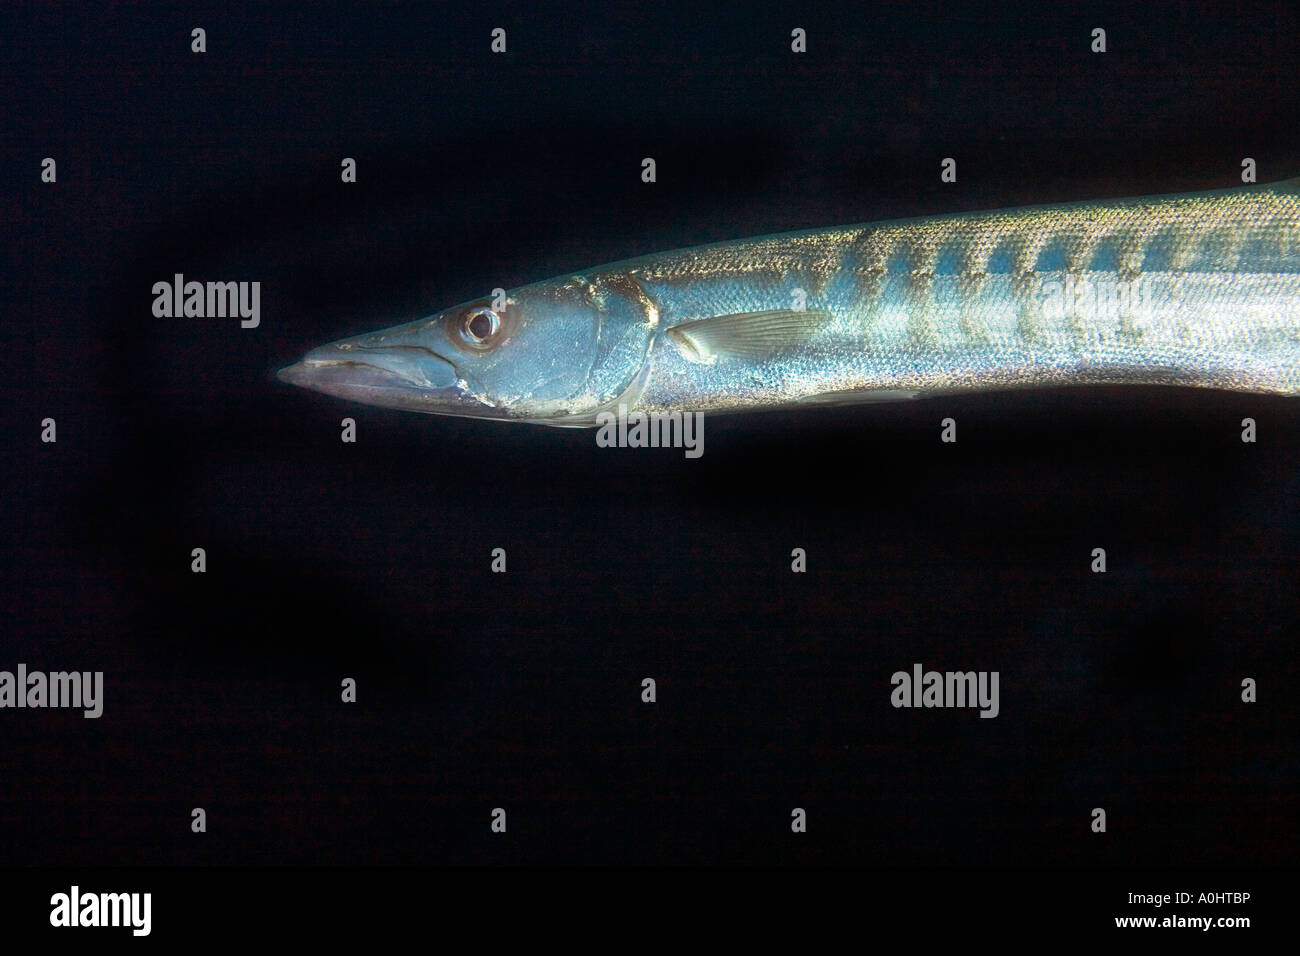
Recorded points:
(478, 326)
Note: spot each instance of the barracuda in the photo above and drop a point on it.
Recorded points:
(1192, 290)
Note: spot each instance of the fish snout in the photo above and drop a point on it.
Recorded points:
(394, 374)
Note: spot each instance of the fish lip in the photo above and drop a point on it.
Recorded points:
(417, 365)
(313, 374)
(344, 378)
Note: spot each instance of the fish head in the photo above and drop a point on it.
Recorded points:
(556, 353)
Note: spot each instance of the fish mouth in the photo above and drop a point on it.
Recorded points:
(409, 377)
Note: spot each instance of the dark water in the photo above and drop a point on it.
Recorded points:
(328, 560)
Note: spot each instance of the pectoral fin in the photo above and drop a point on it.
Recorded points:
(746, 335)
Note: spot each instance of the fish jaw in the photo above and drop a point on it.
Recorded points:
(400, 375)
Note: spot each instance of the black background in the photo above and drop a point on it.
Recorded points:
(477, 690)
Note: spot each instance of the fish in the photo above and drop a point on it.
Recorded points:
(1191, 290)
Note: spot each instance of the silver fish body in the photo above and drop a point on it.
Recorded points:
(1191, 290)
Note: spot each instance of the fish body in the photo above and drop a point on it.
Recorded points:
(1190, 290)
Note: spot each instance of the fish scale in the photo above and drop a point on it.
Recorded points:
(986, 326)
